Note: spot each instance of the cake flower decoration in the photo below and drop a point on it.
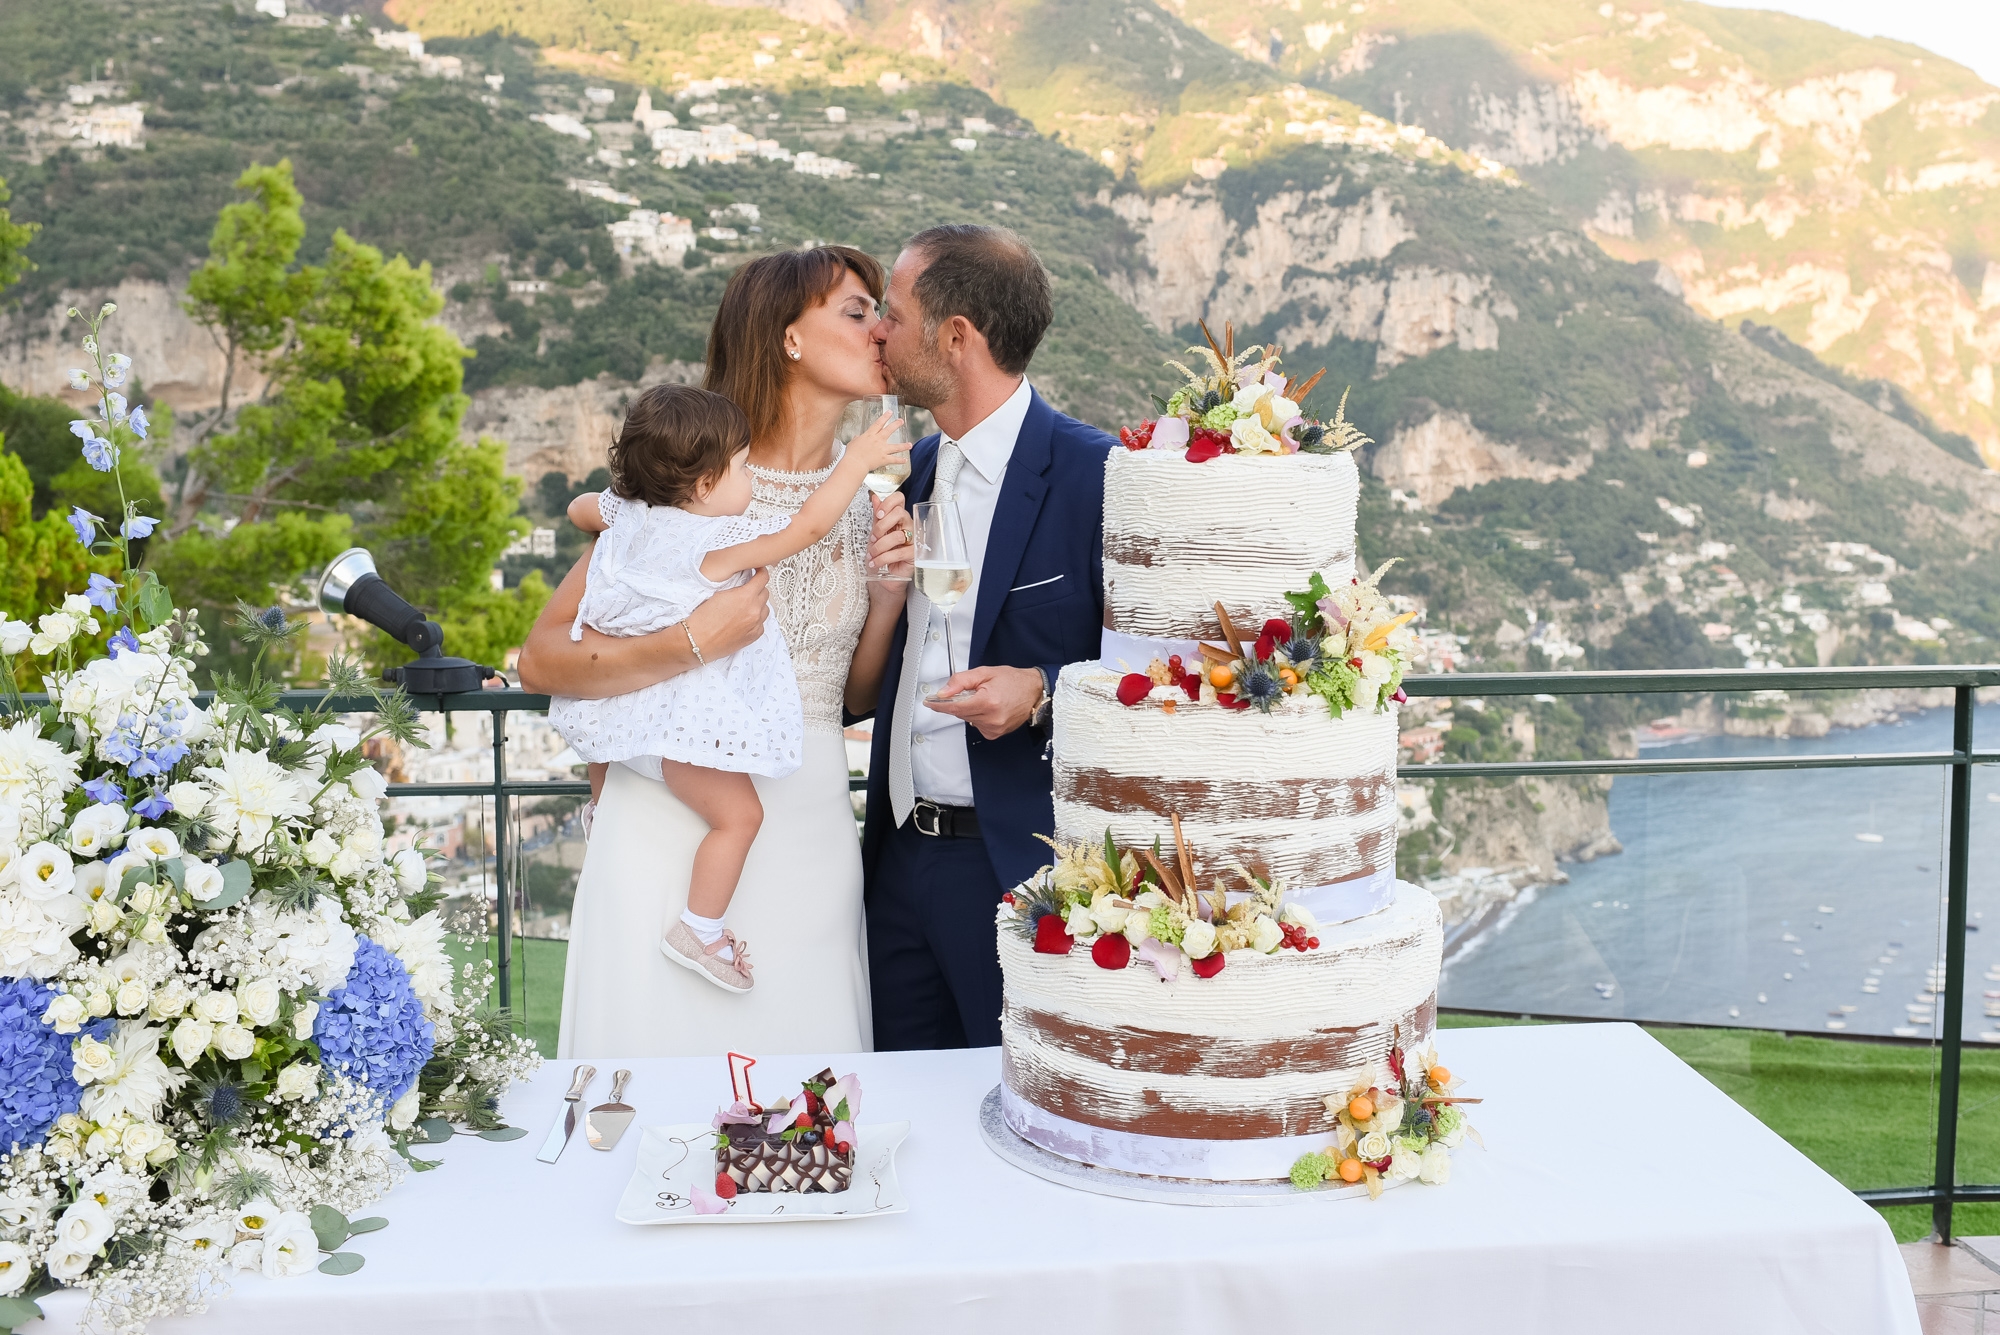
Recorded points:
(1241, 404)
(1398, 1121)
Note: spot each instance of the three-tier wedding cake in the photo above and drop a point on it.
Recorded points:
(1221, 949)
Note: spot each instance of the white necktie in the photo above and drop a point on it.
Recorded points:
(902, 790)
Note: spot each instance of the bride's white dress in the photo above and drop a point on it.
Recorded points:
(798, 905)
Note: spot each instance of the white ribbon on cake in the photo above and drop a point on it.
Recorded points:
(1122, 653)
(1344, 901)
(1156, 1156)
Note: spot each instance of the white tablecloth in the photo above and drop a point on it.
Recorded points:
(1660, 1206)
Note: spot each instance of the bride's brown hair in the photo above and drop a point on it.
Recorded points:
(746, 344)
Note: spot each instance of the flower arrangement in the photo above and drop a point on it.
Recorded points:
(1242, 405)
(1145, 906)
(226, 1014)
(1399, 1120)
(1347, 646)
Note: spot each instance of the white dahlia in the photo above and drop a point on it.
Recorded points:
(137, 1081)
(35, 775)
(252, 794)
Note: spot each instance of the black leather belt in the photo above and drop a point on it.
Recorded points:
(945, 822)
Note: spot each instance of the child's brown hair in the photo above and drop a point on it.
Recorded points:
(675, 440)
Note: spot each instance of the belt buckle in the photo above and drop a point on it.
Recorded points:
(937, 818)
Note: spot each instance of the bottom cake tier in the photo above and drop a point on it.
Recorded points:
(1213, 1079)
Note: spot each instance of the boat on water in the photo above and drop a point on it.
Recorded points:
(1662, 732)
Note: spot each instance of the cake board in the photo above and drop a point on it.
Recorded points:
(1032, 1158)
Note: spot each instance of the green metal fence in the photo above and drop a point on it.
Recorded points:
(1943, 1191)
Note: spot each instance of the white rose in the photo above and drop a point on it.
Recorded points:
(76, 605)
(412, 872)
(368, 785)
(132, 997)
(1437, 1166)
(67, 1263)
(300, 1080)
(1376, 669)
(1266, 935)
(247, 1254)
(1199, 940)
(189, 799)
(169, 999)
(255, 1217)
(141, 1139)
(104, 916)
(217, 1007)
(364, 840)
(191, 1039)
(1080, 921)
(321, 849)
(234, 1041)
(90, 1059)
(1108, 917)
(1300, 916)
(1136, 927)
(153, 931)
(45, 872)
(57, 627)
(98, 1002)
(145, 897)
(154, 842)
(15, 1262)
(290, 1246)
(1248, 395)
(257, 1001)
(14, 636)
(403, 1113)
(1249, 436)
(302, 1020)
(1405, 1165)
(202, 880)
(65, 1014)
(1374, 1147)
(85, 1226)
(346, 865)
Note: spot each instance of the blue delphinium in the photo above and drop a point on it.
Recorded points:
(35, 1082)
(372, 1026)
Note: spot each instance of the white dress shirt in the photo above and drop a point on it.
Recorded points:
(939, 769)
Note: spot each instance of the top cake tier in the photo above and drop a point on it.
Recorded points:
(1242, 530)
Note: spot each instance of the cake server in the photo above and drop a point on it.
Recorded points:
(552, 1148)
(607, 1121)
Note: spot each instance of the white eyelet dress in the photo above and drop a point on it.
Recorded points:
(739, 712)
(798, 903)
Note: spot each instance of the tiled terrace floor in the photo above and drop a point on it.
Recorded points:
(1957, 1287)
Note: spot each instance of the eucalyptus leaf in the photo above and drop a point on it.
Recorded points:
(504, 1133)
(131, 878)
(356, 1227)
(342, 1263)
(329, 1226)
(17, 1312)
(155, 603)
(175, 870)
(436, 1131)
(235, 885)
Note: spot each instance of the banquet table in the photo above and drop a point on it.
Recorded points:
(1617, 1190)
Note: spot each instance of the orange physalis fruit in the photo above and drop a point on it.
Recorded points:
(1361, 1107)
(1440, 1077)
(1350, 1170)
(1220, 677)
(1289, 677)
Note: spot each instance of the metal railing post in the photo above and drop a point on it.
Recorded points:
(503, 898)
(1952, 1030)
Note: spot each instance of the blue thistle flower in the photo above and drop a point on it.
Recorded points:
(1261, 689)
(1301, 651)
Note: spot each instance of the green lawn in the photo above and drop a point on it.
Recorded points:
(1862, 1111)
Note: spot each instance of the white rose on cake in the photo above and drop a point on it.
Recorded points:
(1199, 940)
(1437, 1166)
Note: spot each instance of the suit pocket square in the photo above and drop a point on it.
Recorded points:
(1036, 585)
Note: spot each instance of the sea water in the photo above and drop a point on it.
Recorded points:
(1794, 899)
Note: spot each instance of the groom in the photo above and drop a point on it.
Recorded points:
(959, 790)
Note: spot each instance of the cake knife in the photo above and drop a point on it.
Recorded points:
(607, 1121)
(552, 1148)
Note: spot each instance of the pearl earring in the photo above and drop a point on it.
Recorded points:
(793, 353)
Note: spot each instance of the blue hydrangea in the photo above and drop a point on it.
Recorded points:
(372, 1026)
(35, 1083)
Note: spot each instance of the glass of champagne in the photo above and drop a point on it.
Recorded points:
(944, 569)
(884, 481)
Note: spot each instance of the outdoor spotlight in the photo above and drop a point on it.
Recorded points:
(350, 585)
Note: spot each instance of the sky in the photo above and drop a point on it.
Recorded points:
(1967, 31)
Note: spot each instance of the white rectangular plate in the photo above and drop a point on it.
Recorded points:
(673, 1158)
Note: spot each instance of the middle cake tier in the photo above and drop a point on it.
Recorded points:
(1295, 794)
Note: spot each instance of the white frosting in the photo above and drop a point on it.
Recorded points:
(1179, 537)
(1265, 753)
(1365, 974)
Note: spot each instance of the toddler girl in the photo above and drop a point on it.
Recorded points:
(674, 533)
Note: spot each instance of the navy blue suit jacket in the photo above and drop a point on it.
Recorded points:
(1041, 604)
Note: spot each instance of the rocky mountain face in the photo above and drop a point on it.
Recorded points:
(1836, 187)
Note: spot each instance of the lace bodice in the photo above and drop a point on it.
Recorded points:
(820, 596)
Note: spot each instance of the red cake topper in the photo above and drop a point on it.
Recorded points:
(744, 1095)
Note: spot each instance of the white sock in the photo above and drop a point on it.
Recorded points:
(708, 931)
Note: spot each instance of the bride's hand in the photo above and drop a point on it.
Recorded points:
(890, 543)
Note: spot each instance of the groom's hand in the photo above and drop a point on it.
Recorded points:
(1001, 699)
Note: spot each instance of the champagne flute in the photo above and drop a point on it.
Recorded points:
(884, 481)
(944, 569)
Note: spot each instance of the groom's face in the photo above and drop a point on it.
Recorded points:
(911, 362)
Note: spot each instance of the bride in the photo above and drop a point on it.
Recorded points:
(790, 346)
